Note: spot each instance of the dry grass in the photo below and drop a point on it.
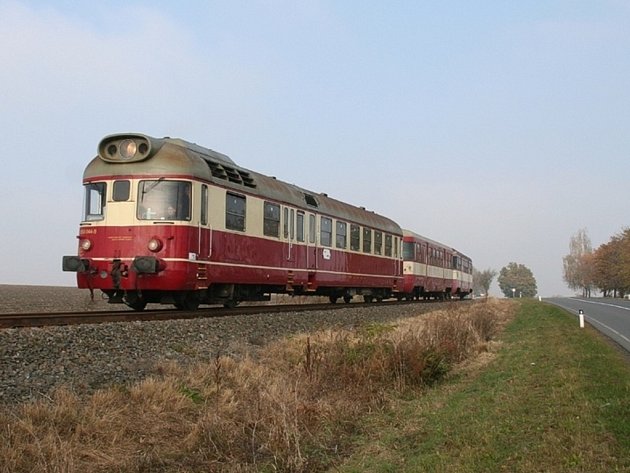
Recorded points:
(289, 410)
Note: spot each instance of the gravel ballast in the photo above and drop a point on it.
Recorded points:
(36, 361)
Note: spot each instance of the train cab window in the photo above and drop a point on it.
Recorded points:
(204, 204)
(235, 212)
(341, 236)
(94, 203)
(388, 245)
(355, 237)
(409, 248)
(121, 190)
(378, 243)
(300, 226)
(312, 231)
(164, 200)
(271, 224)
(367, 240)
(325, 234)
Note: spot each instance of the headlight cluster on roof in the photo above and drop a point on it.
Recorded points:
(124, 148)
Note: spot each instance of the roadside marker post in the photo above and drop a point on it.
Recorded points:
(581, 316)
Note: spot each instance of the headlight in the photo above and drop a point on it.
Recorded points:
(85, 244)
(155, 244)
(128, 149)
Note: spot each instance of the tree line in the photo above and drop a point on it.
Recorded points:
(515, 280)
(606, 268)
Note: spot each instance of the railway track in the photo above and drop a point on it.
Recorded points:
(17, 320)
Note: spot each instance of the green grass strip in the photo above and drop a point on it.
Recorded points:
(555, 398)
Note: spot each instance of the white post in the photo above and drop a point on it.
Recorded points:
(581, 316)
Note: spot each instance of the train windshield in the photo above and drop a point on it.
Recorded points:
(164, 200)
(94, 201)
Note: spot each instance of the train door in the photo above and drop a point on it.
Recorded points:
(311, 243)
(289, 236)
(204, 233)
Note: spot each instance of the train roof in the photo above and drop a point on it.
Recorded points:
(416, 236)
(177, 157)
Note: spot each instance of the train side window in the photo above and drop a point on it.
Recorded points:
(300, 226)
(409, 251)
(94, 203)
(341, 237)
(235, 212)
(121, 190)
(396, 247)
(292, 224)
(367, 240)
(325, 235)
(271, 224)
(312, 231)
(388, 245)
(204, 204)
(378, 242)
(355, 237)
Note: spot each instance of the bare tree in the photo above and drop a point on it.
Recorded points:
(482, 280)
(577, 270)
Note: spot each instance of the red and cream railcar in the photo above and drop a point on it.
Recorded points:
(433, 270)
(168, 221)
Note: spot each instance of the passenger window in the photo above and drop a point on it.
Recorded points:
(235, 212)
(388, 245)
(286, 222)
(325, 237)
(378, 243)
(271, 224)
(121, 191)
(367, 240)
(341, 234)
(94, 203)
(355, 237)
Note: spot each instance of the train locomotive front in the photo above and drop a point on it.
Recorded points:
(167, 221)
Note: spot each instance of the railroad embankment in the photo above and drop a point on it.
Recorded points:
(470, 388)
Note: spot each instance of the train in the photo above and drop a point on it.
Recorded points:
(168, 221)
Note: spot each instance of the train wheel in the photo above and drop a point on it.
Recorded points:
(230, 303)
(135, 302)
(187, 301)
(333, 299)
(368, 299)
(347, 298)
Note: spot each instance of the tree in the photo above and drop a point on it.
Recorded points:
(482, 280)
(578, 272)
(611, 265)
(517, 280)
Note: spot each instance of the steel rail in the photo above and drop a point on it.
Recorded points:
(17, 320)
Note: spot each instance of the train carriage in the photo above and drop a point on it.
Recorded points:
(168, 221)
(433, 270)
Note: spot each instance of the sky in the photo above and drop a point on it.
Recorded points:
(499, 128)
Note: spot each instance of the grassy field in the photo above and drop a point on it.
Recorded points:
(554, 398)
(496, 386)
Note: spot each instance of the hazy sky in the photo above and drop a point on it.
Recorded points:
(500, 128)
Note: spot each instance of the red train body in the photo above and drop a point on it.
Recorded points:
(168, 221)
(432, 269)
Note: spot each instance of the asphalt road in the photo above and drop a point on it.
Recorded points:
(609, 316)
